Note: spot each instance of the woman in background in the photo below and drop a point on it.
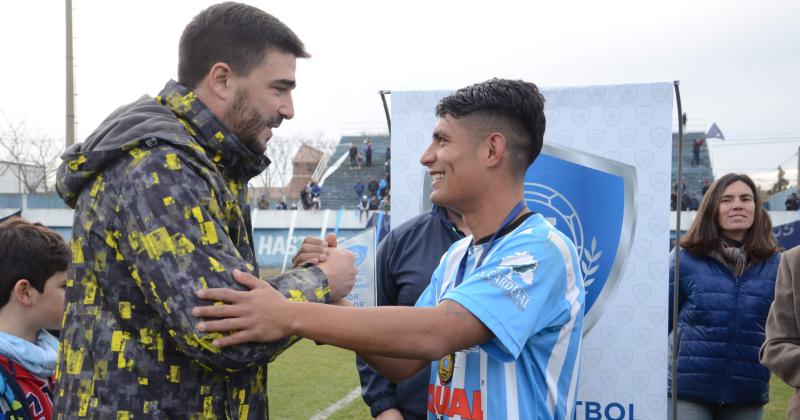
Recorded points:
(727, 282)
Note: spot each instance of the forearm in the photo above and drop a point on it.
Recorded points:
(399, 332)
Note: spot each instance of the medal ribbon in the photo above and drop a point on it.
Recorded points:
(462, 267)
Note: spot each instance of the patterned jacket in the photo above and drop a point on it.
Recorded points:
(159, 192)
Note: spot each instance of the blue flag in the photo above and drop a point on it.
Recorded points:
(715, 133)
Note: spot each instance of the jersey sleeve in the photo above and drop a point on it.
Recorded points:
(529, 282)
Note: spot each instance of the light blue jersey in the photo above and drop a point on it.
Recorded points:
(529, 293)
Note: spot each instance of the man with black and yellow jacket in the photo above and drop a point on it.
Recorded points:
(160, 198)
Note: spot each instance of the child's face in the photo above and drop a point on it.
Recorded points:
(50, 303)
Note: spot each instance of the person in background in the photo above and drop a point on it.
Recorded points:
(353, 151)
(374, 203)
(792, 202)
(405, 261)
(372, 186)
(781, 350)
(359, 187)
(382, 188)
(316, 193)
(368, 153)
(727, 282)
(363, 208)
(33, 274)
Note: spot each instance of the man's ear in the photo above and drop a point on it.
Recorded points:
(23, 292)
(496, 148)
(221, 82)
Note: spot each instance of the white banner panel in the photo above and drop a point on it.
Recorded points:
(603, 179)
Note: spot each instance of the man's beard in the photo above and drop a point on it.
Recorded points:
(247, 122)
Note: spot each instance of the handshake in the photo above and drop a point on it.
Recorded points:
(337, 264)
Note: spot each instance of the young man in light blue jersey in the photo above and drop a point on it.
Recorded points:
(501, 321)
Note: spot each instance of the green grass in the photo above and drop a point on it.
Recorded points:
(308, 378)
(779, 396)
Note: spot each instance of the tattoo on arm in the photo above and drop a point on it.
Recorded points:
(453, 309)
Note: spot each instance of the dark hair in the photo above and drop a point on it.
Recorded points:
(704, 235)
(514, 108)
(29, 251)
(234, 33)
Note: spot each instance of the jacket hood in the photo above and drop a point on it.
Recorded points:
(176, 117)
(144, 121)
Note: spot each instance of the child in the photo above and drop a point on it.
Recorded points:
(33, 270)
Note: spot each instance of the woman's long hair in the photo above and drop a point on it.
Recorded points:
(705, 235)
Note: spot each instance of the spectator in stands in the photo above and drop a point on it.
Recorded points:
(263, 203)
(281, 205)
(387, 171)
(316, 192)
(359, 161)
(694, 203)
(792, 202)
(781, 350)
(372, 186)
(685, 201)
(353, 153)
(363, 208)
(388, 153)
(696, 145)
(359, 187)
(33, 275)
(729, 262)
(368, 153)
(374, 203)
(385, 203)
(706, 186)
(673, 200)
(382, 188)
(305, 197)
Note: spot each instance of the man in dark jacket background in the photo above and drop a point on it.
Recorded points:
(406, 259)
(160, 198)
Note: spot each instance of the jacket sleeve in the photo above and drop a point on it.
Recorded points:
(377, 391)
(781, 350)
(172, 230)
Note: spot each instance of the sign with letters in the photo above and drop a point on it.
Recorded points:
(602, 179)
(364, 293)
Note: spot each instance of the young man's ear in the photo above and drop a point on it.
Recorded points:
(23, 292)
(496, 148)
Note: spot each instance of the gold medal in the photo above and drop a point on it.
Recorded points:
(446, 365)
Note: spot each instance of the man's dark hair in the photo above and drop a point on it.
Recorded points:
(514, 108)
(29, 251)
(233, 33)
(705, 235)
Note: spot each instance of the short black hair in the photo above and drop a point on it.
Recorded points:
(513, 107)
(29, 251)
(233, 33)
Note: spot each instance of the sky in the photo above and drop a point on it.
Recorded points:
(737, 61)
